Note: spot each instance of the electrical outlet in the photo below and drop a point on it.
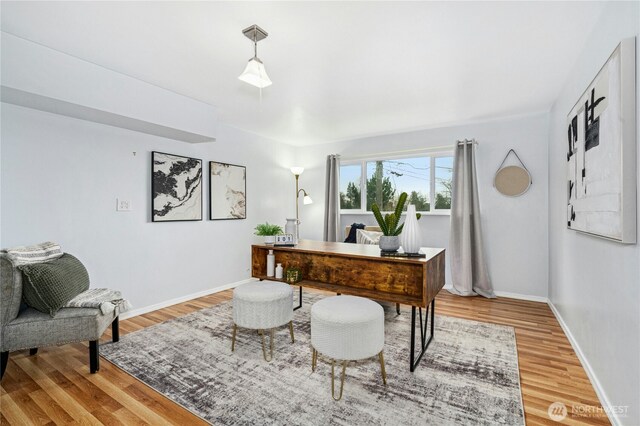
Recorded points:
(123, 205)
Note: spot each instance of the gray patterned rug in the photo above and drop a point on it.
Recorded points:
(469, 375)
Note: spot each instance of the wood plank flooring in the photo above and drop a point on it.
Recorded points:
(55, 387)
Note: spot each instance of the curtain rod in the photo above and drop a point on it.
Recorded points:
(396, 153)
(409, 151)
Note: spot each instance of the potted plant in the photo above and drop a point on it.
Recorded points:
(268, 231)
(389, 225)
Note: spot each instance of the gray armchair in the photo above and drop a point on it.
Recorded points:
(32, 329)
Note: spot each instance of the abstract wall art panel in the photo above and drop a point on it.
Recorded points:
(228, 191)
(176, 187)
(601, 154)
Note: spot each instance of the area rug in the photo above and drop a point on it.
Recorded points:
(469, 374)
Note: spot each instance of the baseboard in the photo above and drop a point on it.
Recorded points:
(509, 295)
(519, 296)
(155, 307)
(587, 367)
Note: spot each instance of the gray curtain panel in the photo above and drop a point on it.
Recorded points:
(332, 200)
(468, 267)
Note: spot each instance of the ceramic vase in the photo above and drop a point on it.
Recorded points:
(291, 227)
(410, 237)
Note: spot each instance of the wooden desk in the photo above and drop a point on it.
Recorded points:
(359, 270)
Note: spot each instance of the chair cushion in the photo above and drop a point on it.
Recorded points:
(10, 289)
(35, 329)
(49, 286)
(347, 327)
(262, 304)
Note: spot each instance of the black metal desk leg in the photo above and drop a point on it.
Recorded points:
(299, 300)
(424, 342)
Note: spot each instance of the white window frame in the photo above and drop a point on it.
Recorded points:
(363, 180)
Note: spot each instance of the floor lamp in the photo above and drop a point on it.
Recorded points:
(297, 171)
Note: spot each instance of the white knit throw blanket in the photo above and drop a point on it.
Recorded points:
(106, 299)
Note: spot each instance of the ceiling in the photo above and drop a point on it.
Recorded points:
(340, 70)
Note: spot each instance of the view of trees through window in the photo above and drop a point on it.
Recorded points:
(385, 180)
(443, 174)
(350, 196)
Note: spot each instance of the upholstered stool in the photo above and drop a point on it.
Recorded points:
(262, 305)
(347, 328)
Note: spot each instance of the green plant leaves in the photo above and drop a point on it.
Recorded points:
(400, 206)
(379, 219)
(266, 229)
(389, 223)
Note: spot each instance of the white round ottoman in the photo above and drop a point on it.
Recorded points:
(347, 328)
(262, 305)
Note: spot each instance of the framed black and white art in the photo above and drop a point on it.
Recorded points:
(601, 154)
(227, 191)
(176, 188)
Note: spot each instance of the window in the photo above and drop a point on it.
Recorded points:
(443, 173)
(425, 178)
(350, 197)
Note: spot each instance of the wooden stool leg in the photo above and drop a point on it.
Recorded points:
(264, 351)
(344, 368)
(314, 359)
(233, 338)
(293, 340)
(384, 372)
(271, 338)
(398, 308)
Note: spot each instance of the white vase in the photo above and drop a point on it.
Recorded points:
(410, 237)
(271, 264)
(292, 228)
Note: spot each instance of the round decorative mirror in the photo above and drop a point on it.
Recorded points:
(512, 181)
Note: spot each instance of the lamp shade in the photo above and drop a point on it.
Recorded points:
(255, 74)
(307, 200)
(297, 170)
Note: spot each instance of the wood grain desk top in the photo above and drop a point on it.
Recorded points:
(352, 250)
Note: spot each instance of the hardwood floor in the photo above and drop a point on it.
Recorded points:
(55, 387)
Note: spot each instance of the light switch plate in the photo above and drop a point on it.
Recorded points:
(123, 205)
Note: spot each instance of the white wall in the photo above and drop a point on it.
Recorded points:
(593, 283)
(39, 77)
(60, 178)
(514, 228)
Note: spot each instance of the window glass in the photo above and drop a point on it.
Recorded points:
(444, 171)
(350, 197)
(425, 179)
(387, 179)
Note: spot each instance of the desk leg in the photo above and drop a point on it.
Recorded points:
(299, 300)
(413, 362)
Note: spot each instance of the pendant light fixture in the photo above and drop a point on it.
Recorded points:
(254, 73)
